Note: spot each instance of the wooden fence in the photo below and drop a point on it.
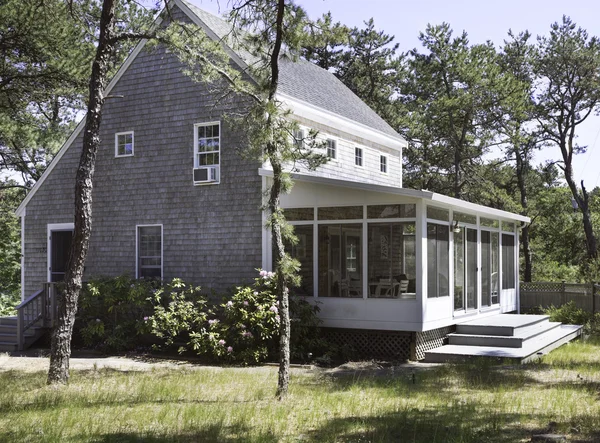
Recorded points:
(544, 294)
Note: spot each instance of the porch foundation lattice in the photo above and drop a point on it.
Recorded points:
(372, 344)
(424, 341)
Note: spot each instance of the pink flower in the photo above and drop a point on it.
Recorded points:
(242, 326)
(246, 303)
(229, 304)
(213, 321)
(278, 318)
(229, 350)
(274, 309)
(247, 334)
(222, 342)
(145, 318)
(263, 273)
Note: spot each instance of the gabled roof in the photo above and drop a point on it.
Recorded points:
(301, 80)
(309, 83)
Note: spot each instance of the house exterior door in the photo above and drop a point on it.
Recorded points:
(60, 246)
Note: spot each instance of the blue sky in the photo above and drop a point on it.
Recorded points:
(483, 20)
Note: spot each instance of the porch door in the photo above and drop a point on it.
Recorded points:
(465, 269)
(60, 245)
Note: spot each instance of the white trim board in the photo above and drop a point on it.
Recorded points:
(422, 194)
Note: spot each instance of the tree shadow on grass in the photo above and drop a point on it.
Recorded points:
(209, 433)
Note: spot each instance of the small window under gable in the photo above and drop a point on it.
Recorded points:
(299, 138)
(124, 144)
(358, 156)
(207, 153)
(383, 164)
(331, 149)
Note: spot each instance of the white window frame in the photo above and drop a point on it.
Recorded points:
(197, 153)
(331, 146)
(358, 157)
(117, 135)
(137, 248)
(383, 165)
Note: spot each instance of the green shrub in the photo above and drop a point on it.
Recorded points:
(570, 314)
(111, 312)
(8, 302)
(179, 310)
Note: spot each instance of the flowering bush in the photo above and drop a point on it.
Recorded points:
(245, 328)
(179, 311)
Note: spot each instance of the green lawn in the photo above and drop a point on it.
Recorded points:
(454, 403)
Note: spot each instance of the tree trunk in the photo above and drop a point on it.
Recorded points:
(583, 203)
(61, 336)
(524, 204)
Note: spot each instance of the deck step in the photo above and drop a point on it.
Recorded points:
(503, 325)
(8, 321)
(8, 347)
(531, 350)
(521, 337)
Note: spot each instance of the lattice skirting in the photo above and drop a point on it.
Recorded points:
(373, 344)
(424, 341)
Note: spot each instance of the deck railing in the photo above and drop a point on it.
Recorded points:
(39, 310)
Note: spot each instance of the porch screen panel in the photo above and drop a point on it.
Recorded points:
(391, 260)
(489, 267)
(340, 260)
(471, 268)
(459, 269)
(508, 261)
(150, 251)
(303, 252)
(438, 260)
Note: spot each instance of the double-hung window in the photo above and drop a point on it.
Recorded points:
(299, 138)
(149, 251)
(358, 156)
(383, 164)
(207, 152)
(331, 149)
(124, 144)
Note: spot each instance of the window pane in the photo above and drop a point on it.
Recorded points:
(488, 222)
(299, 214)
(437, 260)
(508, 227)
(438, 213)
(149, 251)
(459, 269)
(340, 213)
(465, 218)
(391, 260)
(331, 148)
(303, 252)
(508, 261)
(391, 211)
(486, 266)
(471, 268)
(340, 260)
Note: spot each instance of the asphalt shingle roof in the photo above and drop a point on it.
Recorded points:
(310, 83)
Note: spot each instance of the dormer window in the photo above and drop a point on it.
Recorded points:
(124, 144)
(331, 149)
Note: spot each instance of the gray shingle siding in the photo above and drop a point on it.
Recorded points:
(211, 234)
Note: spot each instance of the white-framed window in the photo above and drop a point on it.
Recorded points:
(124, 144)
(358, 156)
(299, 138)
(149, 252)
(383, 164)
(331, 148)
(207, 152)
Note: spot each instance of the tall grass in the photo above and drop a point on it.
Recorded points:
(474, 402)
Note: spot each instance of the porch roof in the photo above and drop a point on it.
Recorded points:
(442, 200)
